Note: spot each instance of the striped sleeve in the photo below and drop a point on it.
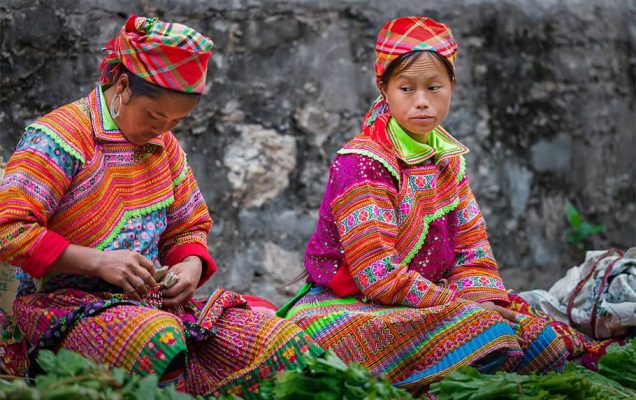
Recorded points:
(189, 221)
(474, 276)
(37, 176)
(365, 213)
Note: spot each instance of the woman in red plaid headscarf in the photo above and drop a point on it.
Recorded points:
(98, 197)
(402, 278)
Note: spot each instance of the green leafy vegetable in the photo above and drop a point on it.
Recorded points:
(611, 388)
(466, 383)
(619, 364)
(68, 375)
(616, 379)
(328, 378)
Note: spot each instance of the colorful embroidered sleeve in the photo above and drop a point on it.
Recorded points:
(37, 176)
(189, 222)
(474, 276)
(364, 209)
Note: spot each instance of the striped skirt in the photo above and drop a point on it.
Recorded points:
(211, 346)
(414, 347)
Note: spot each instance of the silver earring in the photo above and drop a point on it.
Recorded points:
(115, 113)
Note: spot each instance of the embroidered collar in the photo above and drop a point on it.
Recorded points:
(440, 144)
(104, 125)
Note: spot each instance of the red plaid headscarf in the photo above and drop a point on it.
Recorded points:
(170, 55)
(406, 34)
(400, 36)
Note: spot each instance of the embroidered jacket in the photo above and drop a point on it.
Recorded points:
(75, 179)
(402, 230)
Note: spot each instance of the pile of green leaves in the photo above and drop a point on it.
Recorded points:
(619, 364)
(616, 379)
(328, 378)
(68, 375)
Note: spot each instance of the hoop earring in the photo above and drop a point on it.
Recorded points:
(115, 113)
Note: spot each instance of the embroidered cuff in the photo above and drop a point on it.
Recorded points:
(46, 250)
(479, 296)
(439, 296)
(178, 253)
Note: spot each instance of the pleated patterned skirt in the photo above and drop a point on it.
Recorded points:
(221, 345)
(414, 347)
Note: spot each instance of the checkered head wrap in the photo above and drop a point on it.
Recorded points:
(400, 36)
(407, 34)
(170, 55)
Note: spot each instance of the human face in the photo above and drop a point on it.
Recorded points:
(144, 118)
(419, 96)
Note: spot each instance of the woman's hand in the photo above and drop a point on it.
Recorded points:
(127, 269)
(189, 271)
(504, 312)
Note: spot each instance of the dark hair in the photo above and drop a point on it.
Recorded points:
(407, 59)
(140, 87)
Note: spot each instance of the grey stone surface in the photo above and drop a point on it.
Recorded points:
(259, 162)
(545, 100)
(552, 155)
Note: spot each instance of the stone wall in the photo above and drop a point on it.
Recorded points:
(545, 101)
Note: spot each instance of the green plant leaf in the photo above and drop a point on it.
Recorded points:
(573, 216)
(605, 385)
(586, 229)
(619, 364)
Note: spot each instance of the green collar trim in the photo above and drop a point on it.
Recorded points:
(409, 150)
(108, 123)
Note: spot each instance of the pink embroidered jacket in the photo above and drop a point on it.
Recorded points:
(402, 234)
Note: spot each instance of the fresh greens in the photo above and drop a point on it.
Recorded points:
(68, 375)
(611, 388)
(466, 383)
(615, 380)
(328, 378)
(619, 364)
(71, 376)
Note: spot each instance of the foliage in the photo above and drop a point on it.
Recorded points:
(619, 364)
(575, 382)
(328, 378)
(67, 375)
(579, 230)
(71, 376)
(610, 387)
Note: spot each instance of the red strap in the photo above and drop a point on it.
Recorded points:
(583, 281)
(597, 299)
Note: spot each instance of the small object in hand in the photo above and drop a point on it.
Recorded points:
(160, 271)
(164, 277)
(170, 279)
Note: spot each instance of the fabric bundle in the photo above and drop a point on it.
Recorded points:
(598, 297)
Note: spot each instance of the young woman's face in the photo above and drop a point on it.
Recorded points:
(419, 96)
(144, 118)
